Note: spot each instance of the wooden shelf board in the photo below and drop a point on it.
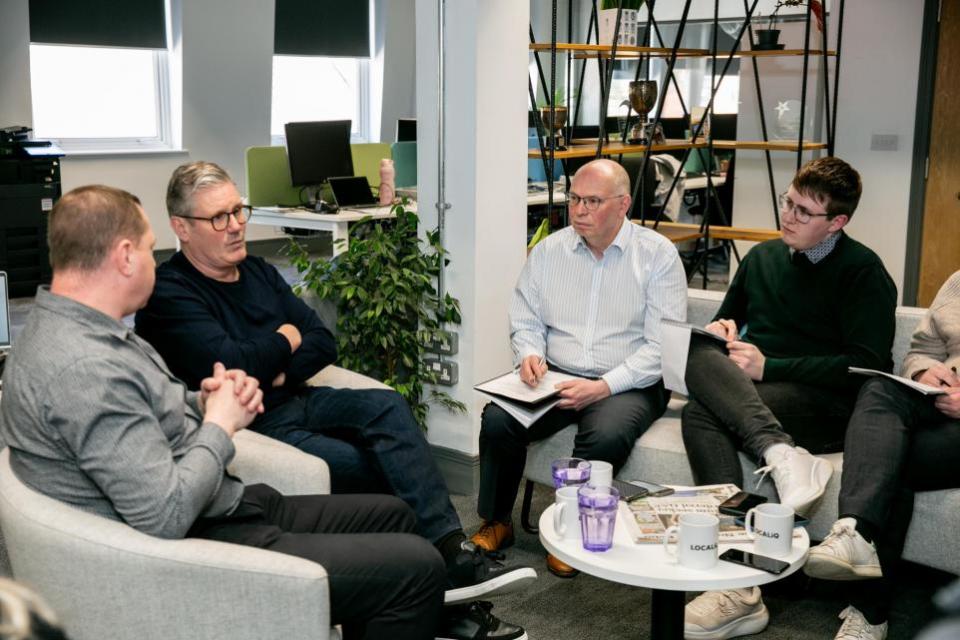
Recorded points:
(780, 52)
(587, 148)
(606, 49)
(677, 229)
(771, 145)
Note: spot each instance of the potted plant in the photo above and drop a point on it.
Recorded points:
(607, 21)
(388, 310)
(769, 38)
(553, 126)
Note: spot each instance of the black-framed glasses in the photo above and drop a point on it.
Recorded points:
(221, 221)
(800, 213)
(590, 203)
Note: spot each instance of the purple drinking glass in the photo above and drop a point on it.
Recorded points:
(598, 514)
(570, 471)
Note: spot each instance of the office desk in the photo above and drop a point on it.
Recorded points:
(534, 197)
(336, 223)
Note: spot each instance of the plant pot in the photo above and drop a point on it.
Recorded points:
(628, 26)
(767, 39)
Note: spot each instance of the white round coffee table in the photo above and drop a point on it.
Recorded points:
(647, 565)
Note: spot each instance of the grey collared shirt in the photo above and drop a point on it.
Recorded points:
(94, 418)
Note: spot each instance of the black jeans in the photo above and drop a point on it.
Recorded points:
(606, 430)
(728, 412)
(372, 444)
(385, 581)
(897, 443)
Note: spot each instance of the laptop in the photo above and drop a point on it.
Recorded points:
(353, 193)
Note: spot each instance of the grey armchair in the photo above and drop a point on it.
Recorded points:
(107, 580)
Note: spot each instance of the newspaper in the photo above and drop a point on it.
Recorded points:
(653, 516)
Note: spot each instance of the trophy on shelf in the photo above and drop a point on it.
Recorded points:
(643, 97)
(554, 126)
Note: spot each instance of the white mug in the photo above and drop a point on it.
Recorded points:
(696, 540)
(770, 526)
(601, 473)
(566, 513)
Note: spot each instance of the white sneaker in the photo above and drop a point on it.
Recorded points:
(843, 555)
(856, 627)
(716, 615)
(800, 478)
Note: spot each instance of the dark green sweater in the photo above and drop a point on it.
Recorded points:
(812, 321)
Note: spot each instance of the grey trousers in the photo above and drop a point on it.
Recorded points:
(728, 412)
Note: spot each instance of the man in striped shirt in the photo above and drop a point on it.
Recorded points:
(589, 302)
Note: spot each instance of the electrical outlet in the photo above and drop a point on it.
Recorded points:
(446, 343)
(447, 372)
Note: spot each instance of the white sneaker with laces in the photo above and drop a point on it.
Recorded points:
(801, 478)
(716, 615)
(856, 627)
(843, 555)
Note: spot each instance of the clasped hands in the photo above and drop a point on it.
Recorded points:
(230, 398)
(574, 394)
(940, 375)
(745, 355)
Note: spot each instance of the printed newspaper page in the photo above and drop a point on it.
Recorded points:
(653, 516)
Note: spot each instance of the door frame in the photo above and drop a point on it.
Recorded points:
(921, 149)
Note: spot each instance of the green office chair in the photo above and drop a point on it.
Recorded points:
(268, 177)
(366, 160)
(405, 163)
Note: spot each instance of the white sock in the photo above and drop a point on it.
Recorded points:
(775, 451)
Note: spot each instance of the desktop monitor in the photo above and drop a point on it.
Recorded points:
(318, 150)
(406, 129)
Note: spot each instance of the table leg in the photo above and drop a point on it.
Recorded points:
(340, 232)
(666, 615)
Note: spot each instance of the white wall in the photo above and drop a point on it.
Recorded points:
(15, 64)
(398, 55)
(486, 57)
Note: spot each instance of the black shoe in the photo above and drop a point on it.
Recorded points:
(476, 573)
(475, 622)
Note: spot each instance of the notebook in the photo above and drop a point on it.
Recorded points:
(353, 193)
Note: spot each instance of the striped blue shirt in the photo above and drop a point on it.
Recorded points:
(599, 317)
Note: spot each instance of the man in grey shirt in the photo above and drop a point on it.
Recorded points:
(94, 418)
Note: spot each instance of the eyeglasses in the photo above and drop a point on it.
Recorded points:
(590, 203)
(221, 221)
(800, 214)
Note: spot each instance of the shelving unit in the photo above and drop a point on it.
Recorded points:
(715, 218)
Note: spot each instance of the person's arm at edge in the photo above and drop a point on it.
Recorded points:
(927, 346)
(667, 298)
(317, 347)
(528, 333)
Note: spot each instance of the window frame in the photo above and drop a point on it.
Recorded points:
(163, 141)
(364, 107)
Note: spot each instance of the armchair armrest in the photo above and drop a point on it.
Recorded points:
(285, 468)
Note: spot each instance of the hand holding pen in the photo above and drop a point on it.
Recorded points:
(532, 369)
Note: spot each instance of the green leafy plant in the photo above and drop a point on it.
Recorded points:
(388, 309)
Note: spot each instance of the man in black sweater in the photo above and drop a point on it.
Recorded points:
(214, 303)
(799, 312)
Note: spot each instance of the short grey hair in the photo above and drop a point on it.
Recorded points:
(187, 180)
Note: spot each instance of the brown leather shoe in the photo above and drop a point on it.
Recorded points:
(493, 536)
(560, 568)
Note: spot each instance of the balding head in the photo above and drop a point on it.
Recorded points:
(612, 173)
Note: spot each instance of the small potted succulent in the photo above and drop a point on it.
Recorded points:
(607, 20)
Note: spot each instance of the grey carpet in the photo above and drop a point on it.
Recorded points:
(588, 608)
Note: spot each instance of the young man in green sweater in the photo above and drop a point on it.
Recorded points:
(799, 312)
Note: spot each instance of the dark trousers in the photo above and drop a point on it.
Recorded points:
(728, 412)
(606, 430)
(372, 444)
(385, 581)
(897, 443)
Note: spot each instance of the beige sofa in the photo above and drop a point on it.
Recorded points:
(659, 456)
